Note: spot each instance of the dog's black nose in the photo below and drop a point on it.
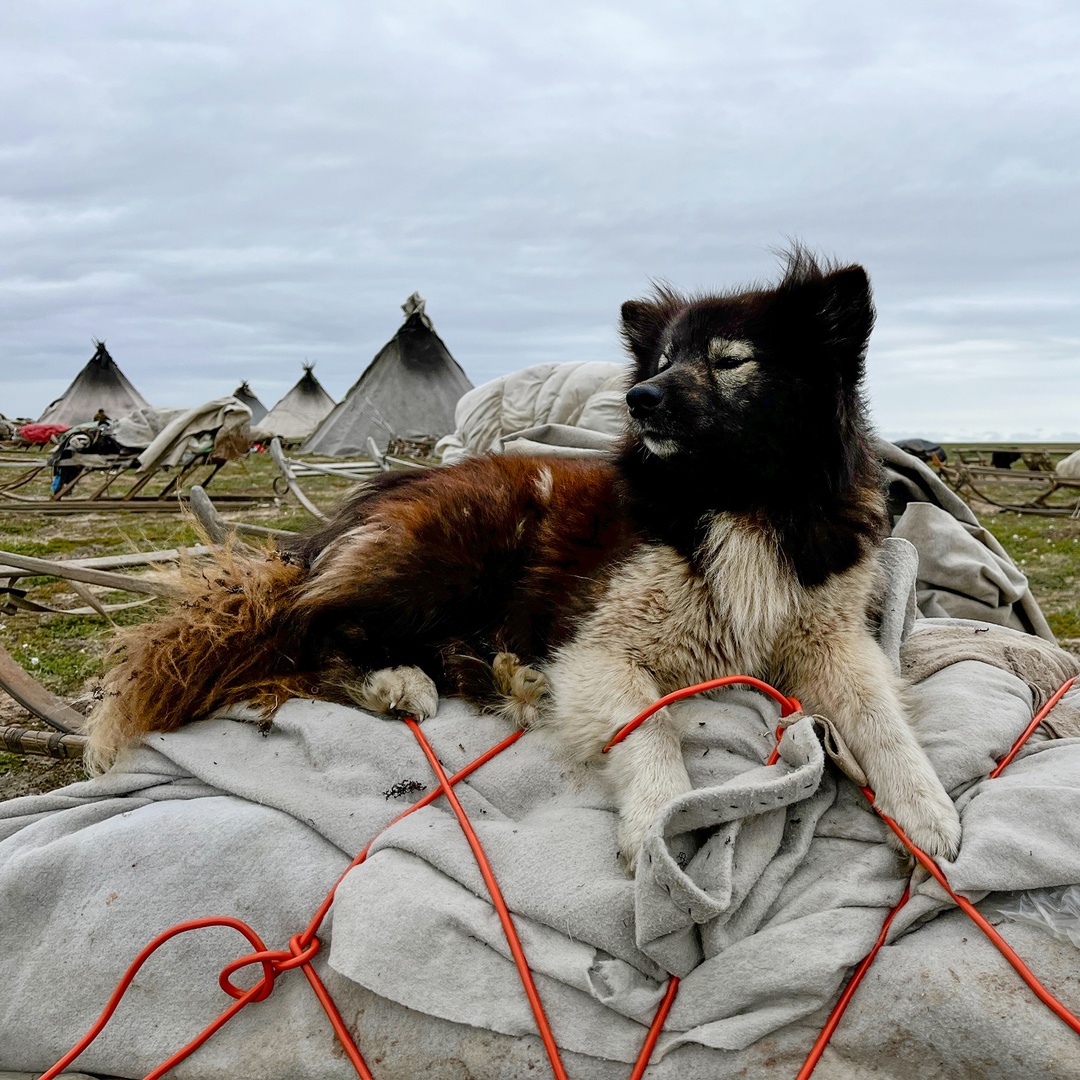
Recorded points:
(643, 398)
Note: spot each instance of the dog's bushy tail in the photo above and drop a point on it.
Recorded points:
(228, 637)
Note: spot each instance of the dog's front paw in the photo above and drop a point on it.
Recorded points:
(928, 817)
(523, 688)
(635, 817)
(644, 773)
(404, 691)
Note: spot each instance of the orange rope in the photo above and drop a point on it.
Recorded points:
(788, 706)
(654, 1029)
(514, 942)
(497, 899)
(302, 948)
(849, 992)
(968, 909)
(133, 970)
(1036, 720)
(430, 797)
(965, 905)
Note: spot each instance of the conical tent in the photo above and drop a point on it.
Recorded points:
(409, 389)
(101, 385)
(243, 393)
(300, 411)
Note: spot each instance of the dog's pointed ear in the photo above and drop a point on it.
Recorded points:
(847, 310)
(642, 327)
(833, 311)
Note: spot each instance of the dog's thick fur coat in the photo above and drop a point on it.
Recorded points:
(735, 531)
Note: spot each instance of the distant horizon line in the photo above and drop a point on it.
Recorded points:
(985, 437)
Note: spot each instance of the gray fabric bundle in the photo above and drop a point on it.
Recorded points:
(213, 423)
(964, 572)
(761, 888)
(583, 397)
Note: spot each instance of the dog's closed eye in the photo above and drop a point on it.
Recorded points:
(730, 352)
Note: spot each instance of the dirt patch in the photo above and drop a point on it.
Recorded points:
(30, 775)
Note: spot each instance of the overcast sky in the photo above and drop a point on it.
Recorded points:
(221, 190)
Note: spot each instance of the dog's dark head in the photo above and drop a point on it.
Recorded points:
(744, 372)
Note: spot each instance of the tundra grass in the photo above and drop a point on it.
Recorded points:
(1047, 550)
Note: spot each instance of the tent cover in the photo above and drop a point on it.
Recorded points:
(243, 393)
(299, 412)
(100, 385)
(409, 389)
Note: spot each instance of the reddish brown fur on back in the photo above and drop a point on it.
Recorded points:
(505, 550)
(443, 569)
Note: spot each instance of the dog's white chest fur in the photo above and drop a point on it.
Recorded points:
(752, 592)
(683, 626)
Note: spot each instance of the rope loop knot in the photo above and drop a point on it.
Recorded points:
(274, 962)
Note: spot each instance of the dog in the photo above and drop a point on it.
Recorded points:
(735, 529)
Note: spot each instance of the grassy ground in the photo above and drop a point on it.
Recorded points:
(1046, 548)
(1048, 551)
(64, 652)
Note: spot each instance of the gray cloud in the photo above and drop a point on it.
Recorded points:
(222, 192)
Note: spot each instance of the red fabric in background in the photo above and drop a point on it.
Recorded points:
(40, 434)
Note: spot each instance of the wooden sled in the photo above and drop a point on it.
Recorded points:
(1023, 491)
(291, 470)
(90, 471)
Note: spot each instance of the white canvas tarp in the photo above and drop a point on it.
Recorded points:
(221, 422)
(587, 396)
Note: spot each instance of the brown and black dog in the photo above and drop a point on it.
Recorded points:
(735, 530)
